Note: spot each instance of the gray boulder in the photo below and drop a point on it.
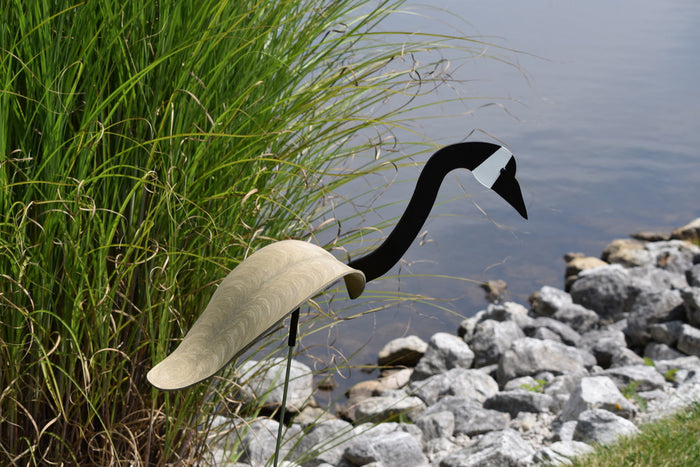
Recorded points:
(395, 449)
(259, 441)
(466, 328)
(386, 385)
(607, 290)
(642, 377)
(445, 351)
(658, 279)
(596, 392)
(658, 351)
(623, 356)
(690, 363)
(355, 395)
(528, 356)
(495, 449)
(666, 333)
(519, 400)
(691, 302)
(544, 334)
(491, 338)
(402, 351)
(689, 340)
(564, 332)
(265, 380)
(561, 387)
(604, 352)
(576, 263)
(565, 431)
(562, 452)
(438, 448)
(325, 442)
(674, 255)
(460, 382)
(627, 252)
(579, 318)
(548, 300)
(603, 427)
(524, 382)
(692, 275)
(604, 344)
(436, 425)
(380, 409)
(650, 307)
(608, 333)
(508, 311)
(470, 418)
(564, 384)
(393, 379)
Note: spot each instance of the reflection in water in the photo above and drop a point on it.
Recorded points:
(606, 133)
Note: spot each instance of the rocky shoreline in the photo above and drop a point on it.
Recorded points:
(516, 385)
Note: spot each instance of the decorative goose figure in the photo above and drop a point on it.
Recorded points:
(492, 165)
(277, 279)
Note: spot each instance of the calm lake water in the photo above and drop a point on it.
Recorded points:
(604, 119)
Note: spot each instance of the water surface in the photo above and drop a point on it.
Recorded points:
(604, 119)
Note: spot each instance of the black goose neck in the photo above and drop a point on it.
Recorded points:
(461, 155)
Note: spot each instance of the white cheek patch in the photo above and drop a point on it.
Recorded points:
(488, 171)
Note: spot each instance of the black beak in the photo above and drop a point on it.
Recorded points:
(508, 187)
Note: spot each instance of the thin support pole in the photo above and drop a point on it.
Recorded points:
(291, 343)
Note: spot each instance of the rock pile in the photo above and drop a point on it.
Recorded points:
(520, 386)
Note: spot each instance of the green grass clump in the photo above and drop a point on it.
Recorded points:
(145, 149)
(670, 375)
(630, 392)
(537, 386)
(670, 442)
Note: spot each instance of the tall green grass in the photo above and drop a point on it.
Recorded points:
(145, 149)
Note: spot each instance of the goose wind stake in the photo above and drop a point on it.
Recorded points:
(277, 279)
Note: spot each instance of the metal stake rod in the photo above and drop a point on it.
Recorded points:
(291, 343)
